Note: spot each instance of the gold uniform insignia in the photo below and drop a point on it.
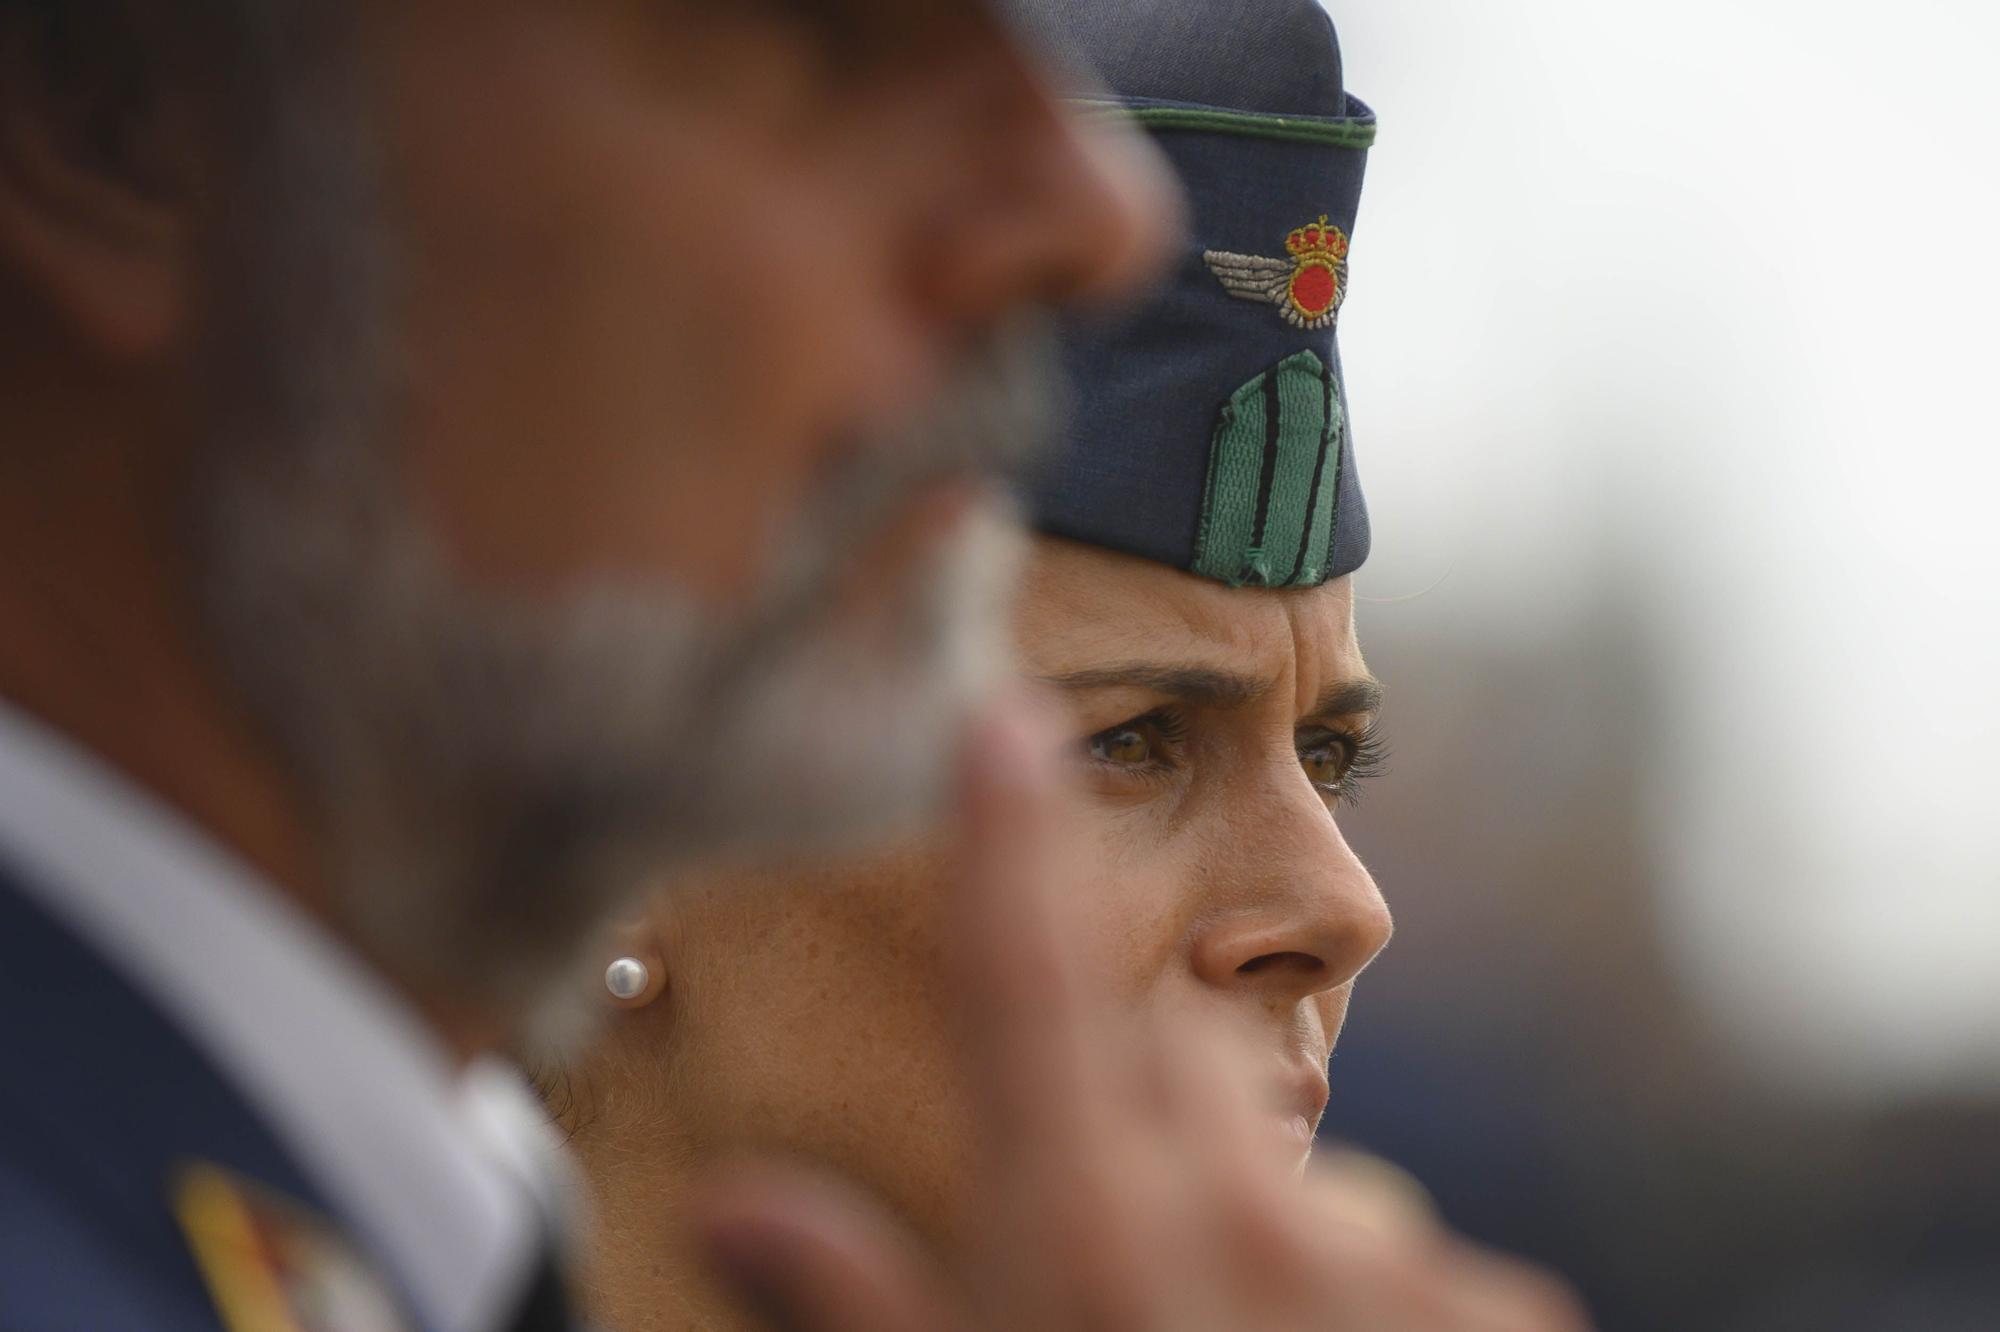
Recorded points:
(273, 1266)
(1307, 288)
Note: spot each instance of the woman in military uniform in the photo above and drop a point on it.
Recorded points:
(1188, 604)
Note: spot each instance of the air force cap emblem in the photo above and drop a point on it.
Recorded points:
(1307, 288)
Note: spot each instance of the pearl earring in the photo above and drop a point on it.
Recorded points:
(627, 978)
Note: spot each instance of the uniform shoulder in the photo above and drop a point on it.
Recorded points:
(62, 1267)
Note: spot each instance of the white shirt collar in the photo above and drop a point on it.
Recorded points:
(430, 1167)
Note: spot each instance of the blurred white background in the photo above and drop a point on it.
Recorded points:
(1674, 329)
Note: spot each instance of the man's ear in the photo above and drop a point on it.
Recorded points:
(97, 172)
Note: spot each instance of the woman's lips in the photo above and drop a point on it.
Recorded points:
(1305, 1094)
(1292, 1144)
(1300, 1099)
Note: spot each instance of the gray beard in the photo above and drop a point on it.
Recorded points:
(489, 779)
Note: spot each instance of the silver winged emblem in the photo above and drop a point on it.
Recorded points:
(1307, 289)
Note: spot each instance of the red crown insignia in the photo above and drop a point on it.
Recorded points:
(1307, 288)
(1317, 241)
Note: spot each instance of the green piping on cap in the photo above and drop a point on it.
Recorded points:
(1294, 129)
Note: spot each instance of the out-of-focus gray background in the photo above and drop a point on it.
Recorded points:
(1674, 351)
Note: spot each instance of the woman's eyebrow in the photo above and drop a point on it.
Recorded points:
(1350, 698)
(1198, 686)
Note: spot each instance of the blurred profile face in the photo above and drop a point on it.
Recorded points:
(607, 388)
(662, 268)
(1214, 734)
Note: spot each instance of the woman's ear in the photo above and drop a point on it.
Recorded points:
(98, 173)
(636, 973)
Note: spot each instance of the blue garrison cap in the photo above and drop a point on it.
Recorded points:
(1207, 426)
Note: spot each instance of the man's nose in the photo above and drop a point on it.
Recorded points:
(1297, 916)
(1059, 207)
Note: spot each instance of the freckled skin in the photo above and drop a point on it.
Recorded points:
(808, 1012)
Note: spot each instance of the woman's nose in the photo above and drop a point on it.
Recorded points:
(1297, 916)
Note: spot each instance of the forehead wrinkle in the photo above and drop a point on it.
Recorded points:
(1089, 617)
(1333, 680)
(1082, 607)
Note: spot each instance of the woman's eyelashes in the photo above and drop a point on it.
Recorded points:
(1339, 763)
(1149, 746)
(1155, 746)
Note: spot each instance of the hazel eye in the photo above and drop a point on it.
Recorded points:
(1131, 745)
(1150, 744)
(1326, 762)
(1338, 765)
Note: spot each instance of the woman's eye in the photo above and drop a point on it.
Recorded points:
(1129, 746)
(1340, 764)
(1325, 762)
(1150, 743)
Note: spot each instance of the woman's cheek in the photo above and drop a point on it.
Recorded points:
(1134, 891)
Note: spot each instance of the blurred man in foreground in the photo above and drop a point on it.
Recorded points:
(457, 457)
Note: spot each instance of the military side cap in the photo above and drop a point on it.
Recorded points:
(1207, 426)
